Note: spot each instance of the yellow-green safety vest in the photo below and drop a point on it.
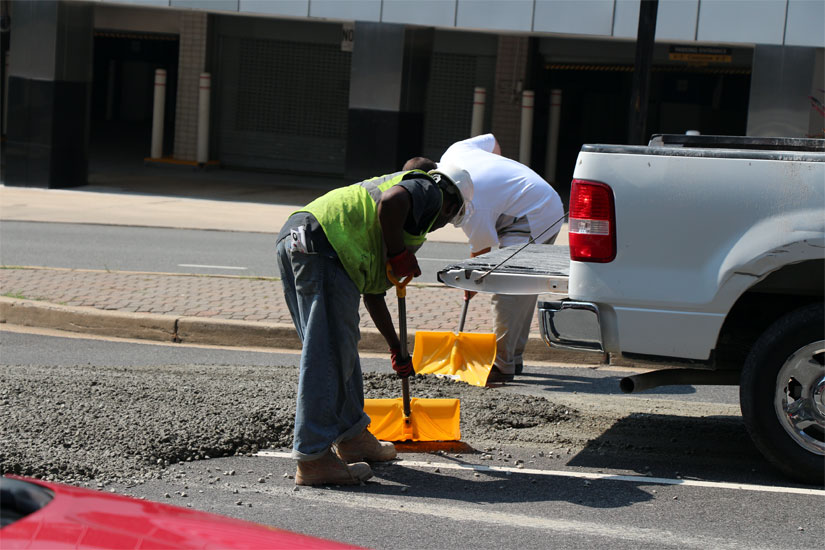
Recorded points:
(349, 217)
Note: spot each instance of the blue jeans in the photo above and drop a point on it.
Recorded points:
(323, 302)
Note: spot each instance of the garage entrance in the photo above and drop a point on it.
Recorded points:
(123, 94)
(596, 100)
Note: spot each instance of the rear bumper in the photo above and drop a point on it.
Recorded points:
(567, 324)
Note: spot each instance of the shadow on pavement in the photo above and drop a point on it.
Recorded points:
(715, 448)
(501, 488)
(117, 165)
(605, 385)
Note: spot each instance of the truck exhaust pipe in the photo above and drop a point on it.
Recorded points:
(678, 377)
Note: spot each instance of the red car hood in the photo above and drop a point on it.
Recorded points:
(83, 518)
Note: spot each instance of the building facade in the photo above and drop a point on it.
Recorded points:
(352, 88)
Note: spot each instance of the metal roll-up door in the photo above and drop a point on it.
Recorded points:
(453, 78)
(284, 105)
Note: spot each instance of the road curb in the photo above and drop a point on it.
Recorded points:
(236, 333)
(88, 320)
(209, 331)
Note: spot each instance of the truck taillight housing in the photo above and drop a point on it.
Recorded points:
(592, 226)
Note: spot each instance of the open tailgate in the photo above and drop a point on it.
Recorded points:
(538, 269)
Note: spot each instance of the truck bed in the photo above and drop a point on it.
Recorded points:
(537, 269)
(724, 147)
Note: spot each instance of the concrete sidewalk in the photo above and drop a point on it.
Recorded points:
(239, 206)
(203, 309)
(218, 310)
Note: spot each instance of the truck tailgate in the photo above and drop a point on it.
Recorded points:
(538, 269)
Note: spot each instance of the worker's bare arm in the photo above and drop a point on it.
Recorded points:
(377, 308)
(393, 208)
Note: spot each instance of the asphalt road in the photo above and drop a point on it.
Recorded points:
(121, 248)
(539, 379)
(497, 492)
(506, 494)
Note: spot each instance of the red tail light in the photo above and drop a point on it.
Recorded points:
(592, 227)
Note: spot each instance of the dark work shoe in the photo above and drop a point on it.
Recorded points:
(519, 368)
(497, 377)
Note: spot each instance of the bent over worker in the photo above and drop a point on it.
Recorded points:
(329, 253)
(513, 204)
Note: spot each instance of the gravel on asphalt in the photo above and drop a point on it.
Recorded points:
(126, 424)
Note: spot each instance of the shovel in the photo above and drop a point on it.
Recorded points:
(411, 419)
(464, 356)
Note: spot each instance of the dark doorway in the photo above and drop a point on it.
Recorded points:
(713, 103)
(594, 107)
(596, 99)
(123, 94)
(5, 41)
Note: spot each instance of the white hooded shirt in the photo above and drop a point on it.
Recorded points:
(503, 187)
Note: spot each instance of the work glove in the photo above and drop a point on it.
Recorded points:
(402, 366)
(404, 264)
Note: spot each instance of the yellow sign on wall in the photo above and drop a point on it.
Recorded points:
(700, 54)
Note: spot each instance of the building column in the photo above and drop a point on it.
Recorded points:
(50, 82)
(782, 80)
(511, 72)
(388, 89)
(191, 63)
(816, 118)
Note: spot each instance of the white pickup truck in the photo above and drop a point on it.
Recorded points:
(702, 253)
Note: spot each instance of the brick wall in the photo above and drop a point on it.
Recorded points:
(191, 63)
(511, 68)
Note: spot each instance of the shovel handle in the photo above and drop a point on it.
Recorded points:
(405, 398)
(401, 292)
(463, 314)
(400, 285)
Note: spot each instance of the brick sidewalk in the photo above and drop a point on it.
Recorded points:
(223, 297)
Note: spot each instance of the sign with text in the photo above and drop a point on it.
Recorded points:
(700, 54)
(348, 37)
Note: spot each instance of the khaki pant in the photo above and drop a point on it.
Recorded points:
(513, 314)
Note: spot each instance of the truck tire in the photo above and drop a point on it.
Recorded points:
(782, 394)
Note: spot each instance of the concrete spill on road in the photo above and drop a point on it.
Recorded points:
(129, 424)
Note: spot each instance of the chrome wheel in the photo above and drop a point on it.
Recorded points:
(782, 393)
(799, 400)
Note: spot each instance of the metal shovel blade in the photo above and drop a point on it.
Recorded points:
(465, 356)
(429, 420)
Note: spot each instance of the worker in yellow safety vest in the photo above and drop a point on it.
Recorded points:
(329, 254)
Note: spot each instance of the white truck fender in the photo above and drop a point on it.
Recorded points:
(766, 247)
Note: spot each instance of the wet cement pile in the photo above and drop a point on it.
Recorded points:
(126, 424)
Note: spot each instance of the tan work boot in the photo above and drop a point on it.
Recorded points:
(329, 470)
(365, 447)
